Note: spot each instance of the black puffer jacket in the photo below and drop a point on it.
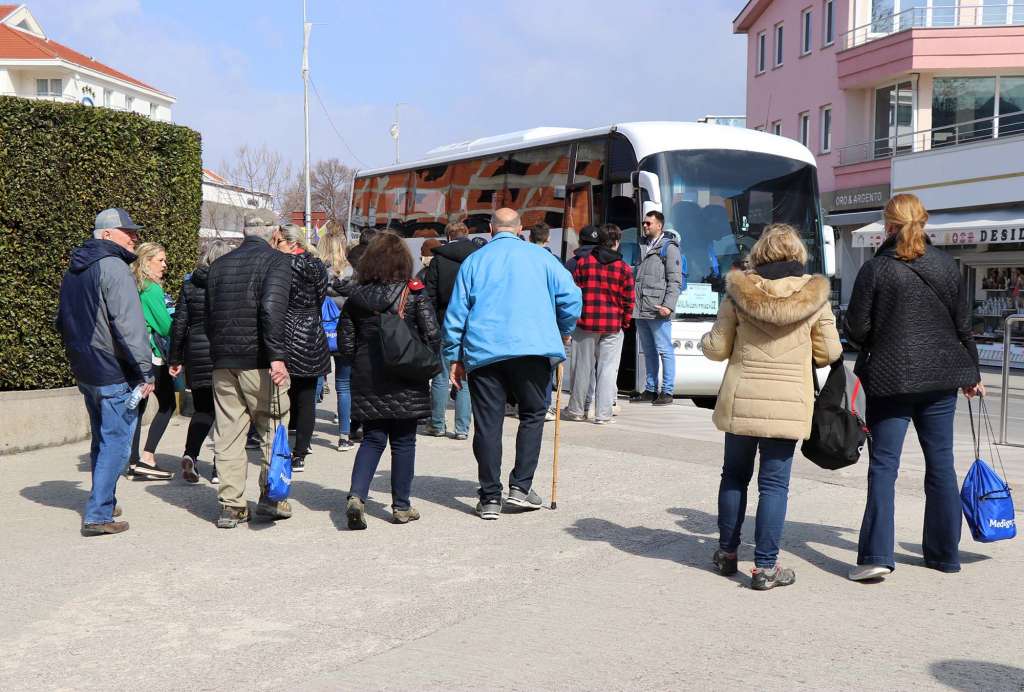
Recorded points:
(376, 393)
(303, 331)
(911, 340)
(246, 302)
(189, 344)
(440, 275)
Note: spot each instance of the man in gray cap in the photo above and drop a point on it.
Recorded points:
(106, 341)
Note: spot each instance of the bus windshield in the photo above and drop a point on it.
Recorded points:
(719, 201)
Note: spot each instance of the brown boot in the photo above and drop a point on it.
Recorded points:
(272, 510)
(404, 516)
(101, 529)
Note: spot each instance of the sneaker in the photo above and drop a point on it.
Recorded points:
(403, 516)
(866, 572)
(431, 431)
(214, 477)
(253, 442)
(647, 397)
(764, 579)
(663, 400)
(345, 444)
(489, 510)
(188, 469)
(569, 415)
(273, 510)
(549, 416)
(142, 471)
(298, 464)
(615, 408)
(530, 500)
(461, 437)
(355, 512)
(606, 421)
(103, 529)
(725, 563)
(357, 435)
(230, 517)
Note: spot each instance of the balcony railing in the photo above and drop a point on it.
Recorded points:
(1002, 125)
(964, 14)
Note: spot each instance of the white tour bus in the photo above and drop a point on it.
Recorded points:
(717, 186)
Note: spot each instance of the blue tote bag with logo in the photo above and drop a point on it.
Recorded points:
(329, 317)
(986, 498)
(279, 477)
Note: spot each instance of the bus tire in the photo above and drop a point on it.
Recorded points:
(704, 401)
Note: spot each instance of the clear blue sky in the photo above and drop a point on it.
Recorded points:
(466, 69)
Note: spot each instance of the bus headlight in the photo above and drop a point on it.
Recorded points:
(686, 346)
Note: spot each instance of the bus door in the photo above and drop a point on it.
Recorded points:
(579, 212)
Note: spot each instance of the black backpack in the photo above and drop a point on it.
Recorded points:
(838, 433)
(403, 351)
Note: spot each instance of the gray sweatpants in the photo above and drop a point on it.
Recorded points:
(595, 355)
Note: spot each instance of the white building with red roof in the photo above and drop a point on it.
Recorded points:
(34, 66)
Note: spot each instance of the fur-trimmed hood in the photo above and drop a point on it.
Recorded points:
(777, 301)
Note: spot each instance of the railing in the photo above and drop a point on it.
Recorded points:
(960, 15)
(1002, 125)
(1004, 406)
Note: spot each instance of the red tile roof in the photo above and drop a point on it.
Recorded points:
(7, 9)
(21, 45)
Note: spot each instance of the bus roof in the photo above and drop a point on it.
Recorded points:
(646, 137)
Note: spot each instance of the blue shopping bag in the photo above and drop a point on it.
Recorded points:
(279, 478)
(986, 498)
(329, 316)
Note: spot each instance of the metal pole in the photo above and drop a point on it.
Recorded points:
(1004, 404)
(306, 27)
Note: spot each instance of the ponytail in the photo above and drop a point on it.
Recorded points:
(906, 213)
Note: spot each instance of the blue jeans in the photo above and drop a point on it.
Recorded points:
(113, 425)
(888, 418)
(343, 388)
(319, 389)
(656, 341)
(376, 435)
(440, 389)
(772, 488)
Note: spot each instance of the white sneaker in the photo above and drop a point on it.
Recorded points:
(549, 416)
(865, 572)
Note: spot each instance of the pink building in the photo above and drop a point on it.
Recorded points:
(864, 82)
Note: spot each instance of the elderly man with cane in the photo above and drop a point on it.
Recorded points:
(509, 318)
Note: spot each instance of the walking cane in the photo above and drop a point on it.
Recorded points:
(558, 430)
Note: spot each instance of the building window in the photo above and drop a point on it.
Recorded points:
(894, 118)
(778, 45)
(153, 110)
(129, 103)
(805, 128)
(826, 129)
(997, 102)
(49, 87)
(830, 23)
(777, 128)
(762, 51)
(106, 98)
(805, 32)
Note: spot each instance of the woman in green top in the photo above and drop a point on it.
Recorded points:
(149, 268)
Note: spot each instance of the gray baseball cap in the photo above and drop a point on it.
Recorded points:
(115, 217)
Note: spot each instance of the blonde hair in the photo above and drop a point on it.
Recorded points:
(906, 213)
(213, 251)
(779, 242)
(143, 254)
(295, 234)
(333, 249)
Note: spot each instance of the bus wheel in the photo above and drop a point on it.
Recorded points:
(704, 401)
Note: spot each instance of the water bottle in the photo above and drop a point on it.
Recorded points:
(135, 398)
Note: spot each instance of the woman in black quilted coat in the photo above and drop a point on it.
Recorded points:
(388, 405)
(308, 357)
(908, 316)
(190, 348)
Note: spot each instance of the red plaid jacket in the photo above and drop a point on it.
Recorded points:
(607, 295)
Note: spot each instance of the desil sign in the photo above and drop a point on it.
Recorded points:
(996, 235)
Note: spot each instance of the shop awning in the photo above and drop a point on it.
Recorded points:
(990, 227)
(853, 218)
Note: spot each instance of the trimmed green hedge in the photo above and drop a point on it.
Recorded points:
(60, 164)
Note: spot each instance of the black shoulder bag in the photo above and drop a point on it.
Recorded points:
(837, 433)
(402, 351)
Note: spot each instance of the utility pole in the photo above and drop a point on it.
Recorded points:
(396, 132)
(306, 28)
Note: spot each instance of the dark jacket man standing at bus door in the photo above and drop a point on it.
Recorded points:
(659, 280)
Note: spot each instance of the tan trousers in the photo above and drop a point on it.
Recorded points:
(241, 396)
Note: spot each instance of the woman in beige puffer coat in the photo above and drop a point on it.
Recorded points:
(773, 321)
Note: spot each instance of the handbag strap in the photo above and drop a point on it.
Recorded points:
(946, 308)
(991, 435)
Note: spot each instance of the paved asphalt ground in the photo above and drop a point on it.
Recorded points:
(613, 590)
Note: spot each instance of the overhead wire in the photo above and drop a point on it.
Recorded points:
(333, 126)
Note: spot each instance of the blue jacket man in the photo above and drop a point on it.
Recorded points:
(107, 343)
(511, 313)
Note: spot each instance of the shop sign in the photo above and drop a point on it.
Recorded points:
(873, 196)
(697, 299)
(979, 236)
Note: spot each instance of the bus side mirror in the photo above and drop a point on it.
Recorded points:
(650, 191)
(828, 246)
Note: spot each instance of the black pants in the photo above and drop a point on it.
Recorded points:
(202, 420)
(526, 378)
(302, 395)
(165, 399)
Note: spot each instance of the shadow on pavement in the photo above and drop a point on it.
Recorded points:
(968, 675)
(59, 494)
(199, 499)
(440, 490)
(965, 557)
